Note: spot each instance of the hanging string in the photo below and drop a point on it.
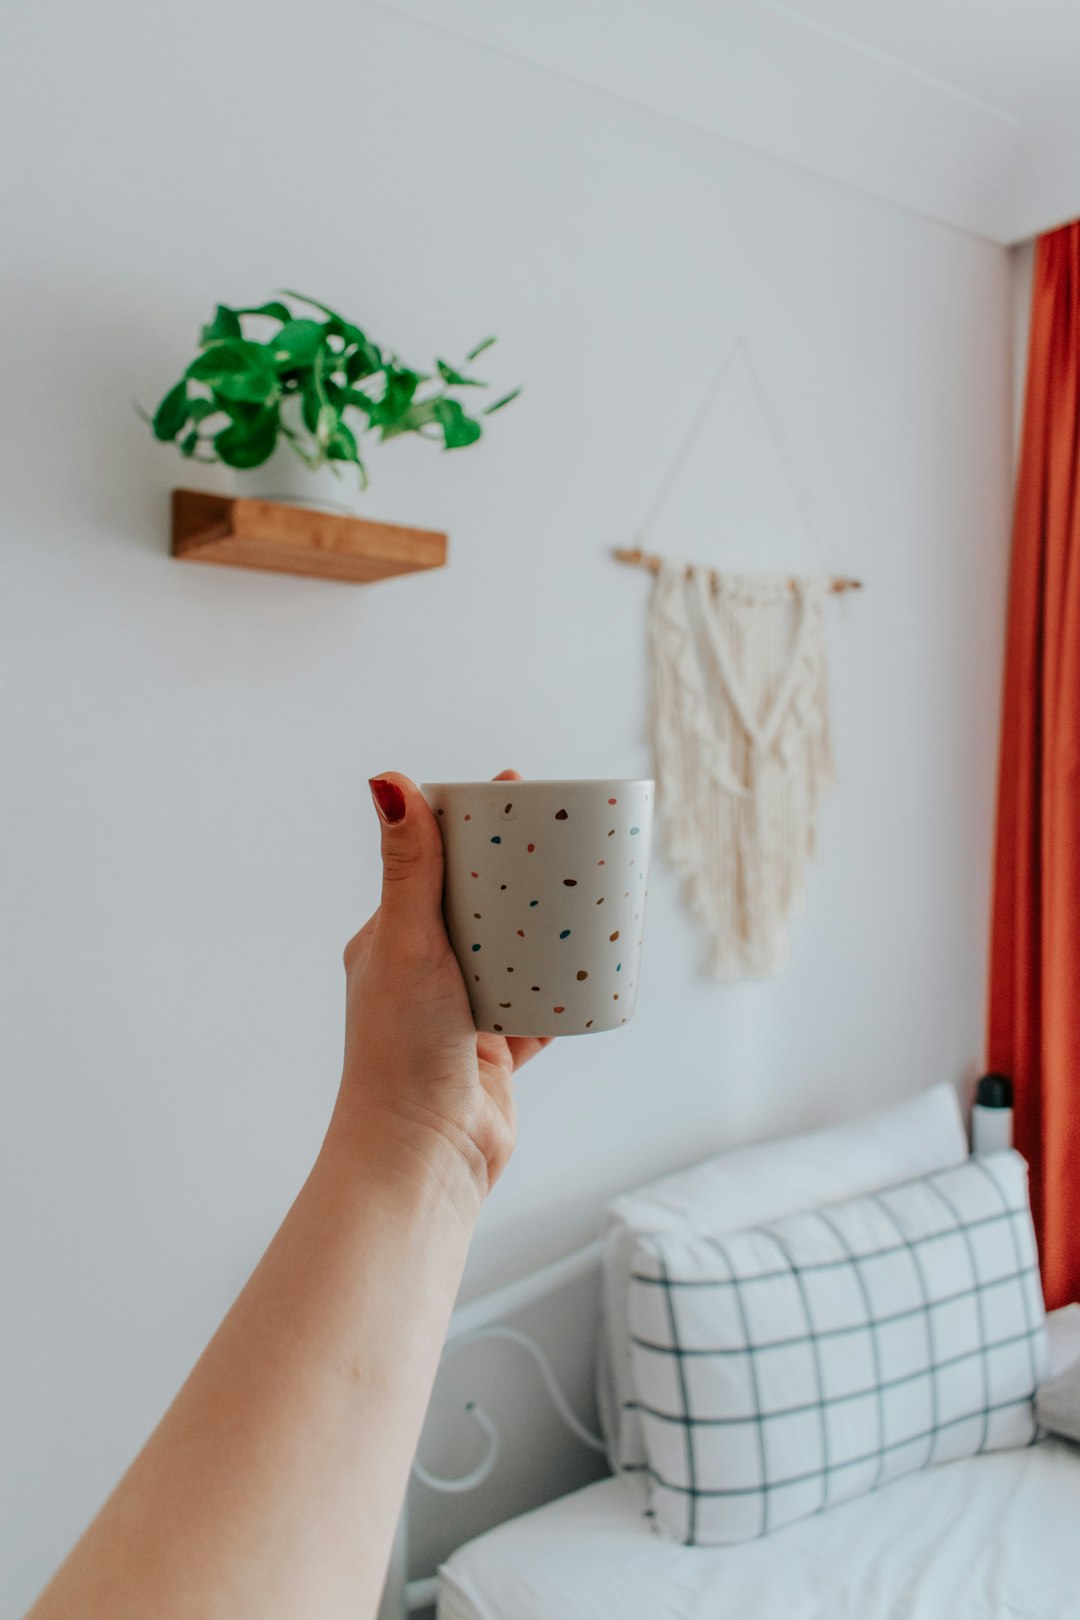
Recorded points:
(681, 455)
(781, 444)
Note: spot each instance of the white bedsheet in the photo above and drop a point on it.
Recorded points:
(992, 1536)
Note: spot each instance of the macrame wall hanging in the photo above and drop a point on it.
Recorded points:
(741, 733)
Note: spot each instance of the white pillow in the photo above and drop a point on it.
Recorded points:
(1057, 1404)
(787, 1368)
(746, 1186)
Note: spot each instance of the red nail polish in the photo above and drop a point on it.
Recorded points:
(389, 799)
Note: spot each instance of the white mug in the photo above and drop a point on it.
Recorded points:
(544, 899)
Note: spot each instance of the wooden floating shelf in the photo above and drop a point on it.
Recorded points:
(236, 532)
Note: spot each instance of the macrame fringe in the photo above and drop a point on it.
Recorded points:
(743, 752)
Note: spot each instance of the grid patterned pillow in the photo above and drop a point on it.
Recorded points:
(782, 1370)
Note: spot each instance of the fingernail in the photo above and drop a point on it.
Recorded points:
(389, 800)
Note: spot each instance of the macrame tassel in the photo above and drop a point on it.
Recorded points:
(743, 751)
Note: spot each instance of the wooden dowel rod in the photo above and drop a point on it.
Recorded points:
(644, 559)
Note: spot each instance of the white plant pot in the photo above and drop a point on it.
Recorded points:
(287, 479)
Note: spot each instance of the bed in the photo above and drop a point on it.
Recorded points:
(993, 1535)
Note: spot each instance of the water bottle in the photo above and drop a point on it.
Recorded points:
(992, 1114)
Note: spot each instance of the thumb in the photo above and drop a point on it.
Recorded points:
(412, 860)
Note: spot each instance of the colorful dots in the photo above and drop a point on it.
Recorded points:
(565, 934)
(468, 818)
(601, 863)
(476, 976)
(521, 933)
(505, 1004)
(509, 970)
(612, 937)
(507, 809)
(476, 914)
(558, 1009)
(534, 903)
(536, 987)
(497, 1028)
(569, 883)
(442, 812)
(634, 831)
(476, 874)
(476, 947)
(600, 901)
(615, 997)
(502, 885)
(582, 974)
(560, 815)
(613, 801)
(496, 839)
(589, 1024)
(618, 968)
(530, 848)
(611, 834)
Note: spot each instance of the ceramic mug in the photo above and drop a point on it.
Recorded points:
(544, 899)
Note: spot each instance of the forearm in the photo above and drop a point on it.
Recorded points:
(271, 1487)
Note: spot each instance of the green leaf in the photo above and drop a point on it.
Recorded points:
(342, 445)
(225, 324)
(201, 408)
(237, 369)
(455, 379)
(249, 439)
(252, 387)
(297, 343)
(401, 385)
(359, 401)
(480, 347)
(489, 410)
(310, 404)
(458, 429)
(189, 443)
(363, 360)
(279, 311)
(338, 324)
(171, 414)
(226, 358)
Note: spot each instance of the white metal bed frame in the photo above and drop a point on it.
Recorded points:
(482, 1319)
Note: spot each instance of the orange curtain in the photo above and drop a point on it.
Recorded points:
(1034, 1022)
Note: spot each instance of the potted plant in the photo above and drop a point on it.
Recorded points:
(316, 383)
(297, 382)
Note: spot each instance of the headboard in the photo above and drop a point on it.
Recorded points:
(512, 1421)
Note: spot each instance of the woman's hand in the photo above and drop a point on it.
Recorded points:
(272, 1485)
(419, 1081)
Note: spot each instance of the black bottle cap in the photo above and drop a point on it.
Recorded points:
(994, 1091)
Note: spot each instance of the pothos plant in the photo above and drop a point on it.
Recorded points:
(319, 384)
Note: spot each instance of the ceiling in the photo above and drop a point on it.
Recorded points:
(1012, 55)
(965, 111)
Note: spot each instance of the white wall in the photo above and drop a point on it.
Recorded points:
(187, 835)
(1022, 270)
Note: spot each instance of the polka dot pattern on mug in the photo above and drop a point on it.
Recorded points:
(535, 885)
